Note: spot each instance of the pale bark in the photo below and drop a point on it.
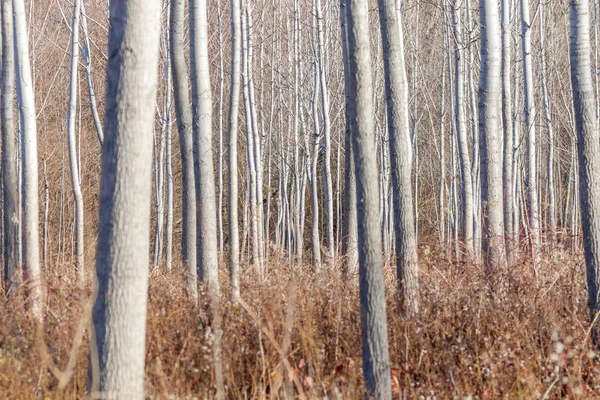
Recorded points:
(45, 241)
(159, 178)
(87, 58)
(595, 75)
(207, 250)
(476, 159)
(399, 148)
(250, 159)
(490, 111)
(413, 135)
(461, 129)
(256, 141)
(530, 115)
(168, 156)
(234, 100)
(220, 239)
(328, 180)
(119, 314)
(376, 360)
(453, 215)
(29, 193)
(12, 268)
(314, 191)
(551, 222)
(507, 126)
(516, 173)
(275, 48)
(299, 172)
(184, 127)
(349, 222)
(588, 145)
(442, 149)
(75, 180)
(207, 245)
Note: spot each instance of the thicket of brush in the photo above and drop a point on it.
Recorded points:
(467, 343)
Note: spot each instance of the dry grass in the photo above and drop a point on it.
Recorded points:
(533, 342)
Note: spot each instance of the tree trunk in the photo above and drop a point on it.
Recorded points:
(328, 180)
(234, 100)
(299, 172)
(490, 86)
(256, 141)
(12, 268)
(530, 113)
(314, 187)
(159, 178)
(207, 251)
(476, 159)
(168, 155)
(588, 145)
(376, 360)
(461, 129)
(398, 130)
(220, 123)
(508, 132)
(119, 313)
(551, 224)
(349, 222)
(30, 210)
(184, 127)
(87, 58)
(75, 182)
(442, 152)
(250, 159)
(207, 248)
(516, 176)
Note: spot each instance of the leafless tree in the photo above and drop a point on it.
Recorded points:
(119, 314)
(376, 361)
(588, 151)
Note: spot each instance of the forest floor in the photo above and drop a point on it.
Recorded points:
(466, 344)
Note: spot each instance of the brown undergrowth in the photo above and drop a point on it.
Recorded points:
(467, 343)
